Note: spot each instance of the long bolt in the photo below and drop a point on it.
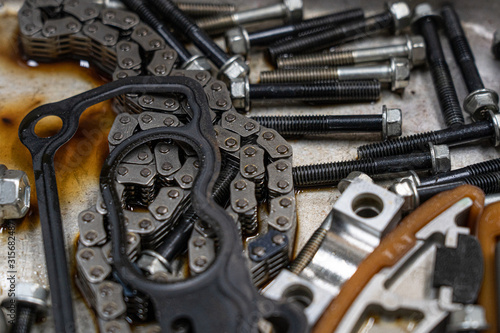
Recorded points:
(413, 50)
(324, 39)
(235, 66)
(388, 124)
(239, 41)
(331, 173)
(202, 9)
(485, 129)
(426, 23)
(287, 10)
(479, 99)
(397, 73)
(25, 317)
(459, 174)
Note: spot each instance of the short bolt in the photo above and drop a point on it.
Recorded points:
(495, 45)
(203, 9)
(426, 23)
(332, 92)
(289, 10)
(479, 100)
(413, 49)
(397, 73)
(388, 124)
(396, 18)
(239, 41)
(332, 173)
(229, 67)
(458, 135)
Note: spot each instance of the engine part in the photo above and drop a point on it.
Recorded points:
(15, 193)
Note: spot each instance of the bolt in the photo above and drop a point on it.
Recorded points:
(479, 99)
(334, 92)
(413, 50)
(495, 44)
(396, 17)
(289, 10)
(332, 173)
(397, 73)
(426, 23)
(239, 41)
(203, 9)
(458, 135)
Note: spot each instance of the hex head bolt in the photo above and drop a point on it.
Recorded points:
(388, 124)
(413, 49)
(426, 23)
(479, 100)
(397, 73)
(289, 10)
(31, 302)
(396, 18)
(328, 92)
(239, 41)
(230, 67)
(328, 174)
(203, 9)
(147, 15)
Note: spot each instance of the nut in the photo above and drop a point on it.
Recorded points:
(495, 46)
(424, 10)
(407, 190)
(153, 263)
(14, 193)
(32, 294)
(239, 89)
(416, 46)
(351, 178)
(479, 102)
(234, 68)
(237, 41)
(401, 14)
(197, 63)
(400, 68)
(294, 10)
(441, 161)
(392, 122)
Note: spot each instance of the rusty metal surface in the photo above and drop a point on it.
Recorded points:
(22, 88)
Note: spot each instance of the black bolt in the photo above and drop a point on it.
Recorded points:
(203, 9)
(336, 35)
(331, 173)
(495, 46)
(289, 126)
(146, 15)
(461, 49)
(267, 36)
(450, 136)
(427, 25)
(180, 21)
(489, 183)
(25, 317)
(459, 174)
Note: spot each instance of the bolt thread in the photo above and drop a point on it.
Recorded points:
(25, 317)
(332, 91)
(484, 167)
(308, 251)
(199, 9)
(216, 23)
(221, 191)
(399, 146)
(330, 173)
(337, 58)
(489, 183)
(299, 75)
(355, 14)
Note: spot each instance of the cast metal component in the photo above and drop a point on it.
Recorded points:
(15, 193)
(413, 49)
(406, 289)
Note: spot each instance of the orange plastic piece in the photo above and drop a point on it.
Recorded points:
(394, 247)
(488, 231)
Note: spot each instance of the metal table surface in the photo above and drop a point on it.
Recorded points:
(24, 86)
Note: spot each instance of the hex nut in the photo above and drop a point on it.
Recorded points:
(234, 68)
(479, 102)
(351, 178)
(400, 68)
(441, 161)
(294, 10)
(152, 263)
(237, 41)
(495, 46)
(416, 45)
(407, 190)
(197, 63)
(392, 122)
(239, 90)
(401, 14)
(15, 193)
